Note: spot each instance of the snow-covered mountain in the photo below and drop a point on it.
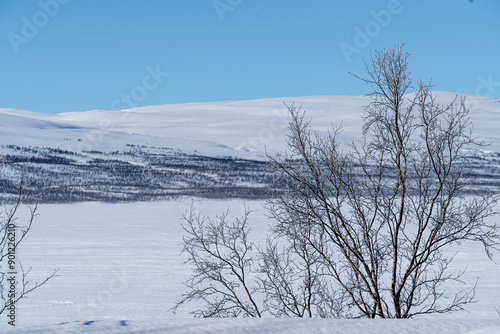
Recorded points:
(235, 128)
(189, 149)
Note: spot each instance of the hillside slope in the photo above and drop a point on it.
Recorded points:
(215, 149)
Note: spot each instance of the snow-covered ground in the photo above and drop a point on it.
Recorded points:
(274, 326)
(120, 268)
(120, 271)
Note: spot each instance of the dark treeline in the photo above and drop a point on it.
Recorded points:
(58, 176)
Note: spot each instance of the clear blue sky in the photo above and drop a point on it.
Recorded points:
(60, 55)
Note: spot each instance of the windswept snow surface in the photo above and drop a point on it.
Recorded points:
(120, 271)
(244, 129)
(274, 326)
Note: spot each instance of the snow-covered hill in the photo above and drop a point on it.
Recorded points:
(236, 128)
(215, 149)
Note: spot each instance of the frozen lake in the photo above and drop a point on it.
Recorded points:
(122, 262)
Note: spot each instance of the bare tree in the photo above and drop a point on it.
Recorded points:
(293, 284)
(381, 215)
(232, 279)
(219, 250)
(14, 279)
(363, 233)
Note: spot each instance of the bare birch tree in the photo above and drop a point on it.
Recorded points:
(219, 251)
(233, 277)
(381, 215)
(292, 281)
(364, 232)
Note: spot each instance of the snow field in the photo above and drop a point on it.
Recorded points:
(244, 129)
(120, 272)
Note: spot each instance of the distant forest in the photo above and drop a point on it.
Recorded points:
(145, 174)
